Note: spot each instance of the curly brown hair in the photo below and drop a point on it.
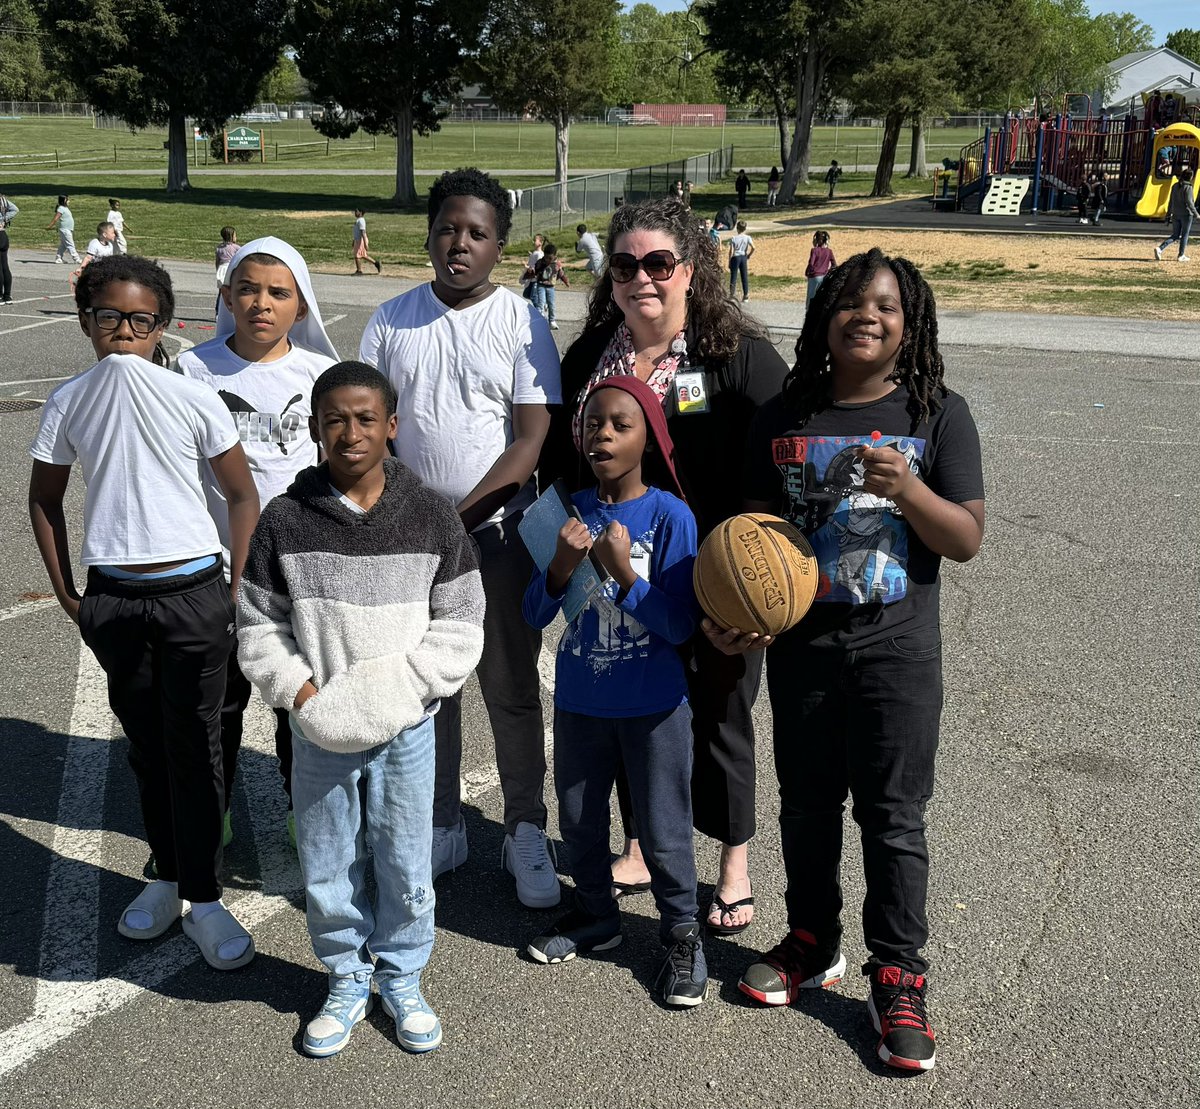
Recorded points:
(718, 321)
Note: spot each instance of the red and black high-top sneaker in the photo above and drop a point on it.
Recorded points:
(897, 1008)
(796, 963)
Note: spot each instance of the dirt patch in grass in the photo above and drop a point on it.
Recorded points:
(1043, 273)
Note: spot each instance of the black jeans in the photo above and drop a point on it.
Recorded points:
(5, 272)
(739, 263)
(656, 752)
(164, 645)
(863, 722)
(237, 696)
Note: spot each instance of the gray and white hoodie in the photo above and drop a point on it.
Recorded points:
(382, 609)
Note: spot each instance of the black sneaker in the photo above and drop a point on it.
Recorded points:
(684, 973)
(897, 1008)
(796, 963)
(577, 933)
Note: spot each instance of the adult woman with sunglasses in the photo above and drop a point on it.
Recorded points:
(660, 311)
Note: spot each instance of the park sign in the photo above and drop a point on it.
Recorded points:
(243, 138)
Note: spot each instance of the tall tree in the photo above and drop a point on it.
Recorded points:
(1069, 50)
(1185, 42)
(553, 59)
(283, 84)
(663, 59)
(386, 66)
(784, 48)
(157, 62)
(1124, 33)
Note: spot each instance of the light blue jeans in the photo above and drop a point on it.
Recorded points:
(1181, 228)
(543, 300)
(344, 802)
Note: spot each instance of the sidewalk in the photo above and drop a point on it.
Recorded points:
(1001, 331)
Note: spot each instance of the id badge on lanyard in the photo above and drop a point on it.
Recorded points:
(691, 397)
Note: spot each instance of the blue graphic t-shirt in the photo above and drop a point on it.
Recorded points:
(619, 658)
(877, 579)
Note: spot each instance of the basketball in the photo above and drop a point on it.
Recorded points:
(755, 573)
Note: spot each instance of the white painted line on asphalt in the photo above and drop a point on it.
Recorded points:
(35, 300)
(43, 323)
(26, 607)
(335, 319)
(35, 380)
(68, 953)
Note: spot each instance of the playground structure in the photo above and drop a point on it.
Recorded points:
(1047, 160)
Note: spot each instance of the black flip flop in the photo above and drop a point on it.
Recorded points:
(729, 929)
(628, 889)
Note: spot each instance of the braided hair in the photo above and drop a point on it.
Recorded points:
(919, 367)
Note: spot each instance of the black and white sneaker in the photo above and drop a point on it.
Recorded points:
(684, 974)
(897, 1008)
(576, 933)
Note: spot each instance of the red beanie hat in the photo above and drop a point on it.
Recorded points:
(656, 420)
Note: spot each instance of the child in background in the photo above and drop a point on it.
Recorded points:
(1181, 211)
(878, 463)
(549, 272)
(157, 612)
(102, 246)
(226, 249)
(360, 609)
(8, 212)
(820, 262)
(269, 350)
(66, 232)
(832, 174)
(362, 244)
(117, 218)
(773, 187)
(741, 247)
(528, 278)
(620, 693)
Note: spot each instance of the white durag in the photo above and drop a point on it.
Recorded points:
(308, 332)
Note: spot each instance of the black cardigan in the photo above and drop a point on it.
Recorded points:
(709, 448)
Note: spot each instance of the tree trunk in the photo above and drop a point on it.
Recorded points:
(916, 156)
(562, 146)
(781, 118)
(406, 182)
(892, 124)
(177, 153)
(809, 76)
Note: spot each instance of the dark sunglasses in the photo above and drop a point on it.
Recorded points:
(658, 264)
(141, 324)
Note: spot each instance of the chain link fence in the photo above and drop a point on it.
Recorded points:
(15, 109)
(597, 194)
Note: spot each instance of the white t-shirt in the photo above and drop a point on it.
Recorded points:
(458, 373)
(741, 244)
(116, 219)
(588, 244)
(535, 256)
(97, 248)
(360, 228)
(141, 434)
(270, 405)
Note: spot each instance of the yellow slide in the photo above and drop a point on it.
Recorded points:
(1153, 203)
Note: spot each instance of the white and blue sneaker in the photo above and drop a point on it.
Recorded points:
(348, 1002)
(417, 1027)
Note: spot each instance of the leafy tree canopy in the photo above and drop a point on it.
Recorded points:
(1185, 42)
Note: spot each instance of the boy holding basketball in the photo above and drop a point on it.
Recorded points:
(620, 692)
(878, 464)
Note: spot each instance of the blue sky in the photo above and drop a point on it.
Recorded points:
(1164, 16)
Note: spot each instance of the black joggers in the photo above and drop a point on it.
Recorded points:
(164, 645)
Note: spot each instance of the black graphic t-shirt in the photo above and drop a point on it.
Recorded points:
(877, 579)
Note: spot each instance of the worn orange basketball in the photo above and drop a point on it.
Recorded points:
(756, 573)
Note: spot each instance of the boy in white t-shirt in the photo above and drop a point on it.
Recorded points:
(157, 612)
(475, 369)
(117, 218)
(102, 245)
(269, 350)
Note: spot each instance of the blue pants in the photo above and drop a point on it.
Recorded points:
(814, 283)
(1181, 228)
(344, 801)
(543, 300)
(739, 263)
(863, 722)
(656, 752)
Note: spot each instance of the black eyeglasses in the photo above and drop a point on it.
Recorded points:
(658, 264)
(141, 324)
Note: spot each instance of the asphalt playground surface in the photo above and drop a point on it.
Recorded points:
(1063, 904)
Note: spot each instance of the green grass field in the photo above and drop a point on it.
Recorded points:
(44, 145)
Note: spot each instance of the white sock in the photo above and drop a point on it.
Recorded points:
(139, 919)
(230, 949)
